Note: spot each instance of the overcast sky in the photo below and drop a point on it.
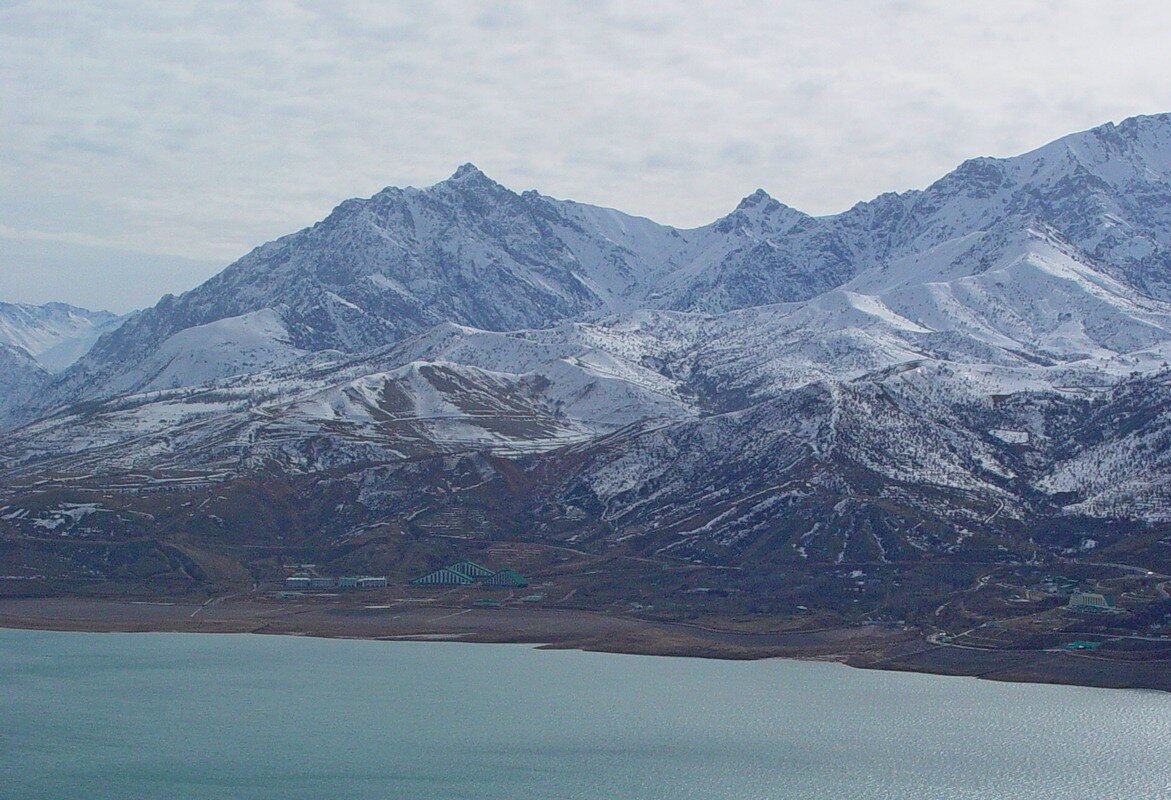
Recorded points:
(145, 145)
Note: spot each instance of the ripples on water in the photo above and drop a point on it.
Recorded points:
(164, 716)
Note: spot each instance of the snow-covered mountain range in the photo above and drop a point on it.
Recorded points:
(54, 334)
(37, 341)
(980, 364)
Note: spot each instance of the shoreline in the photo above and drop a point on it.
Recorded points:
(578, 629)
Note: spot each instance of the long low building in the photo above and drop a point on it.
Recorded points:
(298, 581)
(362, 581)
(303, 580)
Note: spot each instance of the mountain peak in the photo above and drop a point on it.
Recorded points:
(759, 208)
(758, 198)
(470, 178)
(468, 171)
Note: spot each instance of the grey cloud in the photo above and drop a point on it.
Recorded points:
(739, 153)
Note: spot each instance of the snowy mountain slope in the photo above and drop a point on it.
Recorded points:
(672, 263)
(55, 334)
(202, 353)
(1034, 313)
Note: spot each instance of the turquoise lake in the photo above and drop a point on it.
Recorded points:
(163, 716)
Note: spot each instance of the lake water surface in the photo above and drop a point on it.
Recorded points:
(164, 716)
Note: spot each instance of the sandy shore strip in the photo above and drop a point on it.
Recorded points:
(866, 647)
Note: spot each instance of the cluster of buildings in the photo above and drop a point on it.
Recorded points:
(1080, 599)
(469, 573)
(303, 580)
